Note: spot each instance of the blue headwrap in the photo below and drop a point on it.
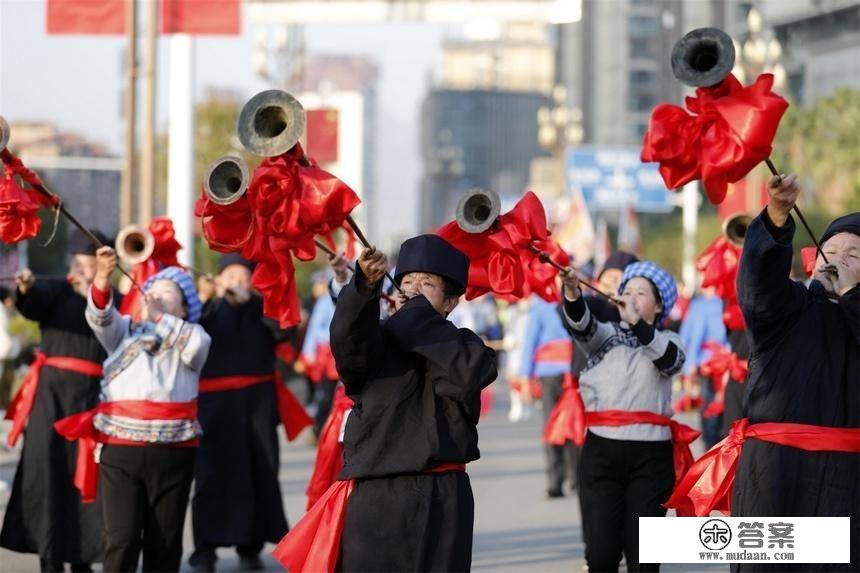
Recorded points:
(186, 285)
(659, 278)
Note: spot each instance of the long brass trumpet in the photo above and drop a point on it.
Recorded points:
(735, 228)
(134, 244)
(226, 180)
(703, 57)
(271, 123)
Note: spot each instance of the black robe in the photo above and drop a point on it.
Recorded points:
(45, 514)
(416, 381)
(237, 495)
(805, 360)
(733, 393)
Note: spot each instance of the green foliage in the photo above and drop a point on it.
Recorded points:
(821, 142)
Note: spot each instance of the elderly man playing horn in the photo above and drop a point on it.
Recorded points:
(799, 440)
(404, 501)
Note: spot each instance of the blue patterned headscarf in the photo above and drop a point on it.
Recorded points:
(186, 285)
(660, 278)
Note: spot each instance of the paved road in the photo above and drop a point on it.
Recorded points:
(516, 528)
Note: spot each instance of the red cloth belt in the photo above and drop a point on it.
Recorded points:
(708, 483)
(80, 427)
(329, 460)
(22, 404)
(321, 366)
(313, 544)
(566, 422)
(555, 351)
(293, 416)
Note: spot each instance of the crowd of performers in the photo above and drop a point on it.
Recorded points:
(126, 417)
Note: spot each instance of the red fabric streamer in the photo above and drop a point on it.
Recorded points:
(723, 133)
(22, 404)
(286, 206)
(566, 422)
(809, 255)
(321, 366)
(707, 485)
(501, 260)
(19, 213)
(733, 317)
(719, 264)
(687, 403)
(722, 365)
(329, 460)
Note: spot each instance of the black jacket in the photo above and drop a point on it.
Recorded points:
(416, 380)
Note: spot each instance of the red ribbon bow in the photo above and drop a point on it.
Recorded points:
(723, 133)
(19, 212)
(163, 255)
(722, 365)
(707, 485)
(501, 259)
(286, 205)
(566, 422)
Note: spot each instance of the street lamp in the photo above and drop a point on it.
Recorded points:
(760, 53)
(559, 126)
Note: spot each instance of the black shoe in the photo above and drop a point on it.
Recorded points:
(204, 567)
(47, 566)
(81, 568)
(251, 563)
(554, 492)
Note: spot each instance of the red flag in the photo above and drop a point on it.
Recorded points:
(86, 16)
(200, 17)
(322, 134)
(723, 133)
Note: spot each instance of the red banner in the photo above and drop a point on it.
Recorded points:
(86, 16)
(200, 17)
(322, 139)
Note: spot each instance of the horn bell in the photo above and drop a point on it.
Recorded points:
(5, 132)
(478, 209)
(735, 228)
(271, 123)
(134, 244)
(703, 57)
(226, 180)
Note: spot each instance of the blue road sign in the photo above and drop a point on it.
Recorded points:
(612, 177)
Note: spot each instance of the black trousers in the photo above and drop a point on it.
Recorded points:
(561, 461)
(324, 403)
(621, 481)
(144, 494)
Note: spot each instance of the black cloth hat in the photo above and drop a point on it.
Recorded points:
(847, 224)
(228, 259)
(433, 254)
(80, 244)
(619, 260)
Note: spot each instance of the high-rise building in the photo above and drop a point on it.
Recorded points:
(479, 126)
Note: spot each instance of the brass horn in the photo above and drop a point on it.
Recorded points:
(271, 123)
(5, 131)
(226, 180)
(735, 228)
(703, 57)
(134, 244)
(478, 209)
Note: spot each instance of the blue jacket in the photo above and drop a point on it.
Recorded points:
(703, 323)
(318, 325)
(544, 326)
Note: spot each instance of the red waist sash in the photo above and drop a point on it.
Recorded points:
(80, 427)
(708, 483)
(313, 544)
(566, 422)
(22, 404)
(329, 460)
(292, 414)
(555, 351)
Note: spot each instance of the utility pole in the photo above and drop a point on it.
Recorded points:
(125, 198)
(147, 168)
